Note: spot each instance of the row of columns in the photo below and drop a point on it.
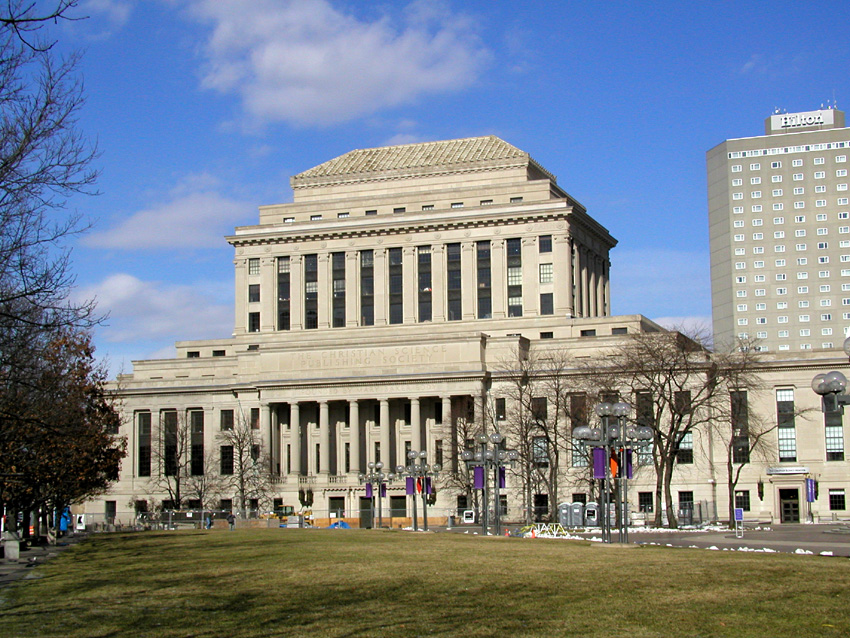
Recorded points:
(296, 437)
(579, 288)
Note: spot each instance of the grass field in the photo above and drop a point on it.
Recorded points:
(383, 583)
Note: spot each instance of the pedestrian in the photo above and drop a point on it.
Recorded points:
(231, 519)
(209, 521)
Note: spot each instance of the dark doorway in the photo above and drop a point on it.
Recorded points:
(365, 512)
(789, 502)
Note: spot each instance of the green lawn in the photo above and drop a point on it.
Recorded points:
(390, 583)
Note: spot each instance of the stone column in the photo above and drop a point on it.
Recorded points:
(446, 426)
(267, 432)
(296, 292)
(438, 283)
(384, 432)
(381, 290)
(585, 301)
(354, 434)
(324, 295)
(295, 438)
(607, 265)
(530, 277)
(563, 276)
(352, 289)
(415, 426)
(478, 401)
(409, 285)
(499, 279)
(240, 325)
(268, 294)
(467, 280)
(324, 439)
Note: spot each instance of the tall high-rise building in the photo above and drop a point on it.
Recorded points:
(779, 218)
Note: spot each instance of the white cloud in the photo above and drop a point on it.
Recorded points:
(141, 311)
(107, 15)
(307, 62)
(195, 217)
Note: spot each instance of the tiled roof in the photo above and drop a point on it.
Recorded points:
(417, 156)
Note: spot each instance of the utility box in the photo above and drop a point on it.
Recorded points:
(591, 515)
(577, 515)
(565, 515)
(11, 546)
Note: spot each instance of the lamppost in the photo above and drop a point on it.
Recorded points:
(612, 446)
(376, 477)
(485, 458)
(422, 476)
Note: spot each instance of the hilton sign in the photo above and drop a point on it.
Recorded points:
(788, 121)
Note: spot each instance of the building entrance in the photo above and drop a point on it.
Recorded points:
(789, 503)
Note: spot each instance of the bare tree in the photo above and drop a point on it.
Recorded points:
(245, 465)
(171, 458)
(687, 387)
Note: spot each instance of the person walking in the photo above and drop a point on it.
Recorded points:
(231, 520)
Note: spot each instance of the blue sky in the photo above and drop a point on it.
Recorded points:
(203, 109)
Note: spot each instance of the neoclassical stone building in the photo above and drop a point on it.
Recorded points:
(373, 315)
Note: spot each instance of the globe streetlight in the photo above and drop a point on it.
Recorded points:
(490, 455)
(612, 446)
(375, 477)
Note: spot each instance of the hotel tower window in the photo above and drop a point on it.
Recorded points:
(424, 280)
(485, 299)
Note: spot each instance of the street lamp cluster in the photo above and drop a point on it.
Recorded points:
(612, 445)
(490, 456)
(376, 480)
(419, 477)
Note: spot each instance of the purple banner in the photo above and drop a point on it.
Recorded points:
(409, 489)
(478, 477)
(428, 485)
(369, 490)
(810, 490)
(599, 461)
(383, 489)
(628, 464)
(502, 478)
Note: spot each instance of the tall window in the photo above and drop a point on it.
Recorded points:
(144, 422)
(453, 282)
(685, 449)
(255, 418)
(787, 433)
(254, 266)
(253, 293)
(539, 451)
(253, 322)
(514, 256)
(740, 426)
(645, 413)
(311, 292)
(196, 423)
(367, 288)
(338, 279)
(544, 243)
(742, 499)
(482, 262)
(396, 285)
(226, 419)
(547, 304)
(169, 435)
(834, 431)
(283, 292)
(423, 274)
(645, 502)
(578, 418)
(226, 458)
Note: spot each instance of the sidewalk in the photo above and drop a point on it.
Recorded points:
(14, 571)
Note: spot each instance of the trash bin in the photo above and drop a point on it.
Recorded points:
(469, 516)
(565, 515)
(591, 515)
(577, 515)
